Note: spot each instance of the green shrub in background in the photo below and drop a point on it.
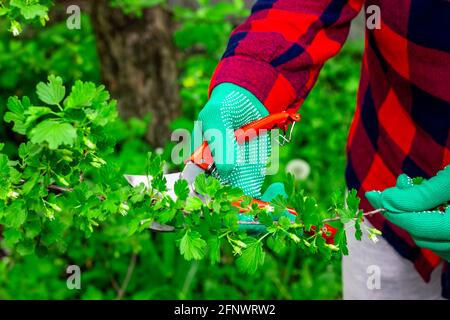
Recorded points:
(148, 265)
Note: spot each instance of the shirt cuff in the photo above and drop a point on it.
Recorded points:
(264, 81)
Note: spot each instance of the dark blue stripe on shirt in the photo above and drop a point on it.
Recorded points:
(332, 12)
(263, 5)
(350, 174)
(294, 51)
(369, 118)
(431, 114)
(233, 43)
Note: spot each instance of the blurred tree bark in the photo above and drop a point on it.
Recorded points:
(138, 62)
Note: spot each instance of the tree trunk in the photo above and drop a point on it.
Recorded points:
(138, 64)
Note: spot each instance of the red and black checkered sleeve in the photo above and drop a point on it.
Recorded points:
(279, 50)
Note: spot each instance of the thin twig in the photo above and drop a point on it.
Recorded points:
(126, 281)
(59, 188)
(365, 214)
(64, 189)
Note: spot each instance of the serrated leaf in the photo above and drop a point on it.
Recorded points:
(230, 193)
(230, 221)
(34, 113)
(192, 246)
(54, 133)
(193, 204)
(206, 186)
(82, 95)
(353, 201)
(16, 214)
(166, 215)
(34, 10)
(16, 114)
(310, 214)
(265, 218)
(214, 249)
(25, 247)
(252, 257)
(32, 229)
(289, 185)
(284, 222)
(12, 236)
(52, 92)
(276, 243)
(279, 206)
(340, 240)
(181, 189)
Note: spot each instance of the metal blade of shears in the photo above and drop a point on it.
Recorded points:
(190, 172)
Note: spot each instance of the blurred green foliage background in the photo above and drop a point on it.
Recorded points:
(148, 266)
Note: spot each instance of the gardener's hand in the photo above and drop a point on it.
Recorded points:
(274, 190)
(231, 107)
(419, 210)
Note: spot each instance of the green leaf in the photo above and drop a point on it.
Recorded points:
(154, 165)
(16, 214)
(265, 218)
(417, 181)
(310, 212)
(193, 204)
(34, 10)
(181, 189)
(276, 243)
(214, 249)
(54, 133)
(12, 236)
(52, 92)
(25, 247)
(289, 185)
(230, 221)
(206, 186)
(358, 221)
(284, 222)
(353, 201)
(5, 181)
(252, 257)
(192, 246)
(16, 114)
(82, 95)
(340, 240)
(32, 229)
(230, 193)
(166, 215)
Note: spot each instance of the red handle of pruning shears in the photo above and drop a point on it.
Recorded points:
(328, 232)
(202, 155)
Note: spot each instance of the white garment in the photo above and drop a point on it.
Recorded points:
(398, 279)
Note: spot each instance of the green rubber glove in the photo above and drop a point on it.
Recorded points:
(231, 107)
(271, 193)
(413, 208)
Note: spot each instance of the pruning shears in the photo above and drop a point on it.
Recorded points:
(201, 161)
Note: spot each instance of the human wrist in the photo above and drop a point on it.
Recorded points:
(223, 90)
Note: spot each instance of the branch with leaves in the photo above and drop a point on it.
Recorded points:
(43, 200)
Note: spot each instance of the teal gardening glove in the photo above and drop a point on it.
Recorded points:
(229, 108)
(240, 165)
(413, 208)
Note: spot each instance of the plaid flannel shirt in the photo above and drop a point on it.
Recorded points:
(402, 120)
